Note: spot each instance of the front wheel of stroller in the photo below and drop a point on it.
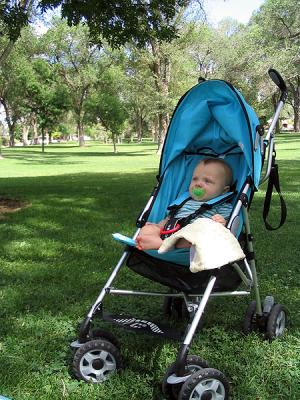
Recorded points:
(95, 361)
(276, 322)
(249, 319)
(193, 364)
(206, 384)
(98, 333)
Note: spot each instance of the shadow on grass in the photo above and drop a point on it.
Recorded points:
(56, 155)
(58, 254)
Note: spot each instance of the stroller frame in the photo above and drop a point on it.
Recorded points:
(195, 303)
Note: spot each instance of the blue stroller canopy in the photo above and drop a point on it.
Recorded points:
(211, 120)
(213, 115)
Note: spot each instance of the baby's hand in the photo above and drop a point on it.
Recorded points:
(219, 218)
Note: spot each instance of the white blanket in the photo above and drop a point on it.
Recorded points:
(213, 245)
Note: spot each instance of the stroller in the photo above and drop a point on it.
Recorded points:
(211, 120)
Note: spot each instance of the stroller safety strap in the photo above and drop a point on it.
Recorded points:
(274, 183)
(173, 224)
(186, 196)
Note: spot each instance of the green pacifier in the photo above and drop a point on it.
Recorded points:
(198, 192)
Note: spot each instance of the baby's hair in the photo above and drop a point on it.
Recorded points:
(227, 169)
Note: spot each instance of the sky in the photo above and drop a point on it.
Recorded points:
(238, 9)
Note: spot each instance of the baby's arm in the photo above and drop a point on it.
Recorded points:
(149, 242)
(219, 218)
(149, 236)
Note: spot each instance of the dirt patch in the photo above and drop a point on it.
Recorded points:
(12, 205)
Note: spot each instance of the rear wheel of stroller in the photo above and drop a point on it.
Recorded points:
(95, 361)
(276, 322)
(173, 307)
(193, 364)
(206, 384)
(249, 322)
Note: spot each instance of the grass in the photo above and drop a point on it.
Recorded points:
(57, 254)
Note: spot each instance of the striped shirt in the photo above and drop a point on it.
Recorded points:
(191, 206)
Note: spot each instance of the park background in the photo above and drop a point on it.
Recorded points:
(84, 121)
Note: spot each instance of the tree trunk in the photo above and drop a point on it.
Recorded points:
(294, 100)
(80, 133)
(275, 102)
(1, 136)
(11, 123)
(162, 129)
(161, 71)
(296, 120)
(296, 107)
(139, 126)
(114, 143)
(25, 132)
(153, 132)
(35, 137)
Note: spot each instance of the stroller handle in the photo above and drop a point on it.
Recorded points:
(269, 139)
(277, 79)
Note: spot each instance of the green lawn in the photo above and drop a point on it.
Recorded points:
(57, 254)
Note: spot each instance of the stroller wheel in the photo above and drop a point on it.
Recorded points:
(102, 334)
(174, 307)
(194, 363)
(249, 319)
(206, 384)
(276, 322)
(95, 361)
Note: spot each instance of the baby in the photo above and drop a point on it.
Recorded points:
(211, 178)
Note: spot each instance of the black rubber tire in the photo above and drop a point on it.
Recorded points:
(96, 346)
(98, 333)
(174, 307)
(167, 306)
(276, 322)
(249, 324)
(171, 391)
(200, 377)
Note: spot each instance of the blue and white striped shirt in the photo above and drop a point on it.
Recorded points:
(191, 206)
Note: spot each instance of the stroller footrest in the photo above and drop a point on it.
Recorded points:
(141, 325)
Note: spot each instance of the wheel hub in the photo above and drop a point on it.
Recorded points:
(98, 364)
(280, 324)
(206, 396)
(209, 389)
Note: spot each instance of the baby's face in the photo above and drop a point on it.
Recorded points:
(209, 177)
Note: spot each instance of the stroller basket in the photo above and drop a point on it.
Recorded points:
(179, 277)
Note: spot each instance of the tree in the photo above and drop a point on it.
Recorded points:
(277, 33)
(46, 97)
(30, 91)
(16, 65)
(77, 62)
(122, 21)
(14, 15)
(106, 103)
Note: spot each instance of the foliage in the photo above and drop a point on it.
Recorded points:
(78, 64)
(122, 21)
(277, 30)
(13, 17)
